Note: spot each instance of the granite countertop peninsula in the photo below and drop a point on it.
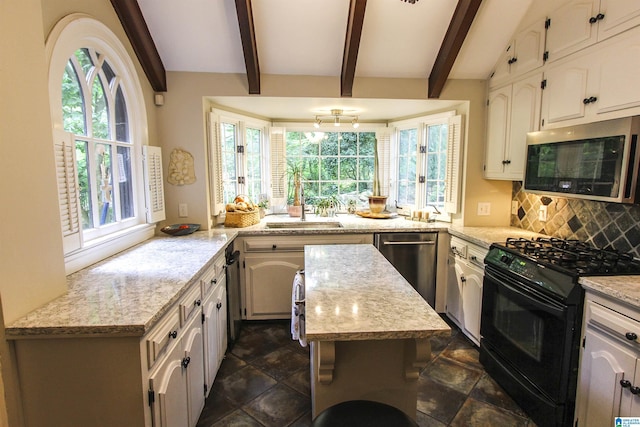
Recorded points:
(126, 294)
(354, 293)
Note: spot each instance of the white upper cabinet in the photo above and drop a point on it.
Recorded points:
(581, 23)
(524, 53)
(599, 84)
(513, 111)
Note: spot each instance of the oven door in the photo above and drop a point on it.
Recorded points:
(528, 331)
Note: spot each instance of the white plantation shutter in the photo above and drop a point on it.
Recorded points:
(67, 177)
(215, 167)
(383, 136)
(153, 184)
(278, 166)
(453, 175)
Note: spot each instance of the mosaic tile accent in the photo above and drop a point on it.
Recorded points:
(601, 224)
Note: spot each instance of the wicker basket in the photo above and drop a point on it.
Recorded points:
(240, 219)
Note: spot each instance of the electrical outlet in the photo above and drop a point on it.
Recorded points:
(484, 208)
(514, 207)
(183, 212)
(542, 213)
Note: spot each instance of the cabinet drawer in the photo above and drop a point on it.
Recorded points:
(166, 332)
(458, 247)
(476, 255)
(620, 325)
(190, 304)
(213, 275)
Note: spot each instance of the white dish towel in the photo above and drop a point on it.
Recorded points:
(297, 309)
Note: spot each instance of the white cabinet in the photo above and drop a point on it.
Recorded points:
(513, 111)
(581, 23)
(214, 321)
(595, 85)
(464, 286)
(523, 54)
(609, 383)
(270, 263)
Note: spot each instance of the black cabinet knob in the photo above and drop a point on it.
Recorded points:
(274, 247)
(463, 279)
(219, 305)
(197, 303)
(173, 334)
(593, 20)
(589, 100)
(634, 390)
(186, 361)
(631, 336)
(625, 383)
(600, 16)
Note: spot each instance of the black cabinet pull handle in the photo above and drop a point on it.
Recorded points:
(197, 302)
(625, 383)
(463, 279)
(173, 334)
(634, 390)
(214, 281)
(186, 361)
(631, 336)
(219, 305)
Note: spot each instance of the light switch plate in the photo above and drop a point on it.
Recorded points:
(514, 207)
(542, 213)
(183, 212)
(484, 208)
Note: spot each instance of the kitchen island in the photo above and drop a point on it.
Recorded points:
(369, 329)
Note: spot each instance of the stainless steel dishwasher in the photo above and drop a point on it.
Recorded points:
(414, 256)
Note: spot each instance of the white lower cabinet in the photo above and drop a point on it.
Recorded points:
(269, 264)
(464, 286)
(609, 384)
(215, 329)
(176, 387)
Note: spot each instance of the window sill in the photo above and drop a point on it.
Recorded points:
(99, 249)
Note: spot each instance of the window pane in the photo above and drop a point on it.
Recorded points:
(310, 169)
(73, 111)
(328, 188)
(229, 171)
(436, 164)
(366, 169)
(366, 143)
(348, 168)
(82, 163)
(100, 116)
(406, 177)
(103, 180)
(122, 120)
(125, 183)
(84, 59)
(253, 172)
(329, 146)
(349, 144)
(293, 144)
(329, 168)
(108, 72)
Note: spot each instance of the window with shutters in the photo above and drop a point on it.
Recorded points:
(427, 153)
(99, 124)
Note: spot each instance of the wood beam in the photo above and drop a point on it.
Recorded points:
(134, 25)
(458, 28)
(248, 37)
(351, 46)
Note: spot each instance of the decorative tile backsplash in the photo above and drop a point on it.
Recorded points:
(601, 224)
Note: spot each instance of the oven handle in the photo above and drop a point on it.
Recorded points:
(533, 297)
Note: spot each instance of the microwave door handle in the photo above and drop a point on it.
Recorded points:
(631, 190)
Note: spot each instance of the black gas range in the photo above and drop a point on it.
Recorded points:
(532, 317)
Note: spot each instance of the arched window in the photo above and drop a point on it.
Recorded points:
(99, 121)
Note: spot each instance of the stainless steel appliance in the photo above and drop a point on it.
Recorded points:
(531, 320)
(414, 256)
(598, 161)
(298, 331)
(234, 315)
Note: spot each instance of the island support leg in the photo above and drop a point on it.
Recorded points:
(384, 371)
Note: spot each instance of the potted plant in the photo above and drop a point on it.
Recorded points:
(294, 171)
(377, 203)
(263, 205)
(328, 206)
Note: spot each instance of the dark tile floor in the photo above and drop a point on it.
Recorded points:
(264, 381)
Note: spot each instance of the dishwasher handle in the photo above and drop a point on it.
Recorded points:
(428, 243)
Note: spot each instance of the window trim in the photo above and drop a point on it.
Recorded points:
(72, 32)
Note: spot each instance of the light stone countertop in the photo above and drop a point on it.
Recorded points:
(625, 289)
(354, 293)
(485, 236)
(126, 294)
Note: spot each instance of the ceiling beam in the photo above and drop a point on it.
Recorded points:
(351, 46)
(458, 28)
(248, 37)
(132, 20)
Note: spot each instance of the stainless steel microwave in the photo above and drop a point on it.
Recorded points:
(597, 161)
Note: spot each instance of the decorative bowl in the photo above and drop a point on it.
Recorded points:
(180, 229)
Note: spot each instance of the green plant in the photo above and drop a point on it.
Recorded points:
(324, 203)
(264, 204)
(294, 174)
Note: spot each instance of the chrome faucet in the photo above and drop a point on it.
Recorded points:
(302, 217)
(437, 212)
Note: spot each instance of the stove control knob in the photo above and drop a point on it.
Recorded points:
(506, 259)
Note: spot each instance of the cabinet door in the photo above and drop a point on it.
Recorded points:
(614, 80)
(472, 301)
(221, 313)
(529, 50)
(211, 344)
(619, 15)
(194, 369)
(570, 29)
(268, 279)
(565, 91)
(604, 363)
(169, 383)
(498, 117)
(503, 67)
(454, 292)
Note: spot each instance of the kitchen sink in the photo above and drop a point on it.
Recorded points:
(304, 224)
